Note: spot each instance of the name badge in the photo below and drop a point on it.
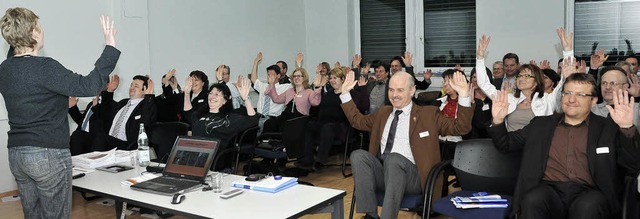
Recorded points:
(137, 117)
(602, 150)
(200, 100)
(424, 134)
(485, 107)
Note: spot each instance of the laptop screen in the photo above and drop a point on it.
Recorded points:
(191, 157)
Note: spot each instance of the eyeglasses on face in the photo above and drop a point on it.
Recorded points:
(297, 76)
(575, 94)
(525, 76)
(610, 83)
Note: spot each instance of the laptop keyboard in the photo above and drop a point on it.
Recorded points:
(175, 181)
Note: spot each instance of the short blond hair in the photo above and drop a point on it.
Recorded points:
(17, 28)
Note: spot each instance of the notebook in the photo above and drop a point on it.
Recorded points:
(187, 166)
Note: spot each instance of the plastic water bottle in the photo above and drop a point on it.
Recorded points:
(143, 147)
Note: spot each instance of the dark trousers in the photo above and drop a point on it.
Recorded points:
(82, 142)
(324, 135)
(564, 200)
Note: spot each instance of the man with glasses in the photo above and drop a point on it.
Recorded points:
(572, 163)
(612, 79)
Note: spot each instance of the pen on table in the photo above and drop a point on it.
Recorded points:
(78, 176)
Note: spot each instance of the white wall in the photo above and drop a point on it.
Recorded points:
(527, 28)
(202, 34)
(327, 28)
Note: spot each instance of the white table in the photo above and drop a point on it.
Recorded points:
(289, 203)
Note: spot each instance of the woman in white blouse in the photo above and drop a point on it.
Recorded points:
(528, 99)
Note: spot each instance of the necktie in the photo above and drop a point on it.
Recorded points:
(266, 105)
(85, 124)
(118, 125)
(392, 134)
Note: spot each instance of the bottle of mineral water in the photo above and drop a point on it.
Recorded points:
(143, 147)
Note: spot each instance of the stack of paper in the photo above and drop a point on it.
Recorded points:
(102, 158)
(269, 184)
(489, 201)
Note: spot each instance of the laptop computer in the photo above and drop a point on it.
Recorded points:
(187, 166)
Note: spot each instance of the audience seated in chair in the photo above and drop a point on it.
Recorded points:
(91, 134)
(298, 99)
(126, 115)
(331, 124)
(265, 106)
(572, 163)
(404, 142)
(218, 119)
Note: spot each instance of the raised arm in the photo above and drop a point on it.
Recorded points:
(481, 72)
(187, 94)
(254, 69)
(299, 59)
(109, 30)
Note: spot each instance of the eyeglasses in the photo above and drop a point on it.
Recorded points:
(610, 83)
(525, 76)
(297, 76)
(215, 94)
(575, 94)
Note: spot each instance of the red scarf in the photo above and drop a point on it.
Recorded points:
(449, 109)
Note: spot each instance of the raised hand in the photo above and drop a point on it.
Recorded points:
(355, 63)
(188, 84)
(149, 89)
(366, 68)
(459, 84)
(582, 66)
(569, 67)
(482, 47)
(299, 59)
(95, 100)
(317, 81)
(258, 58)
(113, 83)
(219, 72)
(362, 81)
(544, 64)
(337, 64)
(622, 112)
(565, 39)
(499, 107)
(165, 79)
(244, 86)
(109, 30)
(634, 85)
(427, 74)
(598, 59)
(73, 101)
(407, 58)
(349, 82)
(532, 62)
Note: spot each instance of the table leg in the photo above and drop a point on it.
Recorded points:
(121, 209)
(338, 209)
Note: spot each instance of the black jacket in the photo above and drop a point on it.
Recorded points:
(607, 169)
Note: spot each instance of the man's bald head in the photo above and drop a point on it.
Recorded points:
(401, 89)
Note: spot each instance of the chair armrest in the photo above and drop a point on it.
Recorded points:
(431, 183)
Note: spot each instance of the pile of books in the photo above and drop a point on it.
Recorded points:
(487, 201)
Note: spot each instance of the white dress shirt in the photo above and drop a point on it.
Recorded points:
(275, 108)
(122, 133)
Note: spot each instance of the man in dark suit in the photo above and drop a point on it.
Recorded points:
(572, 163)
(90, 134)
(404, 142)
(125, 116)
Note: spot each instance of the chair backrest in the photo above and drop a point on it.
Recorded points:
(293, 136)
(163, 135)
(479, 166)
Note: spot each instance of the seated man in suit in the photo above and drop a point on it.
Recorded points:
(573, 162)
(126, 115)
(404, 142)
(91, 134)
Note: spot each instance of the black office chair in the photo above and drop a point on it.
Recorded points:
(631, 197)
(479, 166)
(286, 144)
(163, 135)
(241, 143)
(352, 139)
